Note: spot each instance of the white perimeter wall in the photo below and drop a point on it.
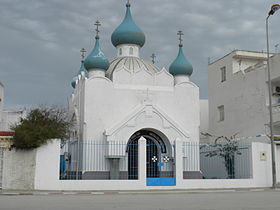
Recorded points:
(18, 169)
(21, 171)
(47, 173)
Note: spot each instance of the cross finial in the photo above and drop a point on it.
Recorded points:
(83, 53)
(97, 24)
(180, 33)
(128, 3)
(153, 58)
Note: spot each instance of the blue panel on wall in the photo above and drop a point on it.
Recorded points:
(162, 181)
(160, 164)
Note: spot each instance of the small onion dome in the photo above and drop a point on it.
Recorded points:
(181, 65)
(83, 71)
(96, 59)
(128, 32)
(73, 83)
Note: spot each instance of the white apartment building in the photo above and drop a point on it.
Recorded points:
(238, 94)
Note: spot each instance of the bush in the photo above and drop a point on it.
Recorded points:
(40, 125)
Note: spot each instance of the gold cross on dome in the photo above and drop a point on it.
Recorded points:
(180, 33)
(97, 24)
(83, 53)
(153, 58)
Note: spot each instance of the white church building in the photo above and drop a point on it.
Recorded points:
(115, 103)
(136, 127)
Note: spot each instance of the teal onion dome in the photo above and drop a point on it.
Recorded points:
(96, 59)
(83, 70)
(73, 83)
(128, 32)
(181, 65)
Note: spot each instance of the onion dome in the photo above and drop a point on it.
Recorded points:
(83, 71)
(96, 59)
(128, 32)
(181, 65)
(73, 83)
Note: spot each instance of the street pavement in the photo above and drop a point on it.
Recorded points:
(250, 199)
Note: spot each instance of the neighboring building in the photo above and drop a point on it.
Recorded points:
(7, 119)
(1, 100)
(5, 138)
(238, 94)
(128, 98)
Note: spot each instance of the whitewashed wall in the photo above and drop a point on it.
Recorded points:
(118, 109)
(47, 173)
(19, 169)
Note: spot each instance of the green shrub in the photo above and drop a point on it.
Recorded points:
(40, 125)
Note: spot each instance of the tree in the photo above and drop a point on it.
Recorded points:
(40, 125)
(226, 148)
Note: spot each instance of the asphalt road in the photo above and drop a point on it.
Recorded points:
(201, 200)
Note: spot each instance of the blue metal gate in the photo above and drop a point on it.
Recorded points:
(160, 165)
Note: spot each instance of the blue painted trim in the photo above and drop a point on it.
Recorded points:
(161, 181)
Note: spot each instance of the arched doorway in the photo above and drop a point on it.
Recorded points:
(158, 156)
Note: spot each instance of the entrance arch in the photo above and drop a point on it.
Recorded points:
(159, 159)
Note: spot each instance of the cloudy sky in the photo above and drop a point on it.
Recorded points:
(40, 40)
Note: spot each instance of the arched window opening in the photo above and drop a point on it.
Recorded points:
(131, 51)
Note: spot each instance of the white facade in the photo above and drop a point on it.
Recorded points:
(240, 103)
(8, 117)
(112, 110)
(134, 98)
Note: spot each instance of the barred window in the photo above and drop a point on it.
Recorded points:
(221, 112)
(223, 74)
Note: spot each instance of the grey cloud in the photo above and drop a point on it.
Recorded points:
(40, 40)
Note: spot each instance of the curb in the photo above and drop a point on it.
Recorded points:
(39, 193)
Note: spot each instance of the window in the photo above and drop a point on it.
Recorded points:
(131, 51)
(221, 112)
(223, 74)
(120, 51)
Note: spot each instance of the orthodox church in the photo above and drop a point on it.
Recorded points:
(128, 98)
